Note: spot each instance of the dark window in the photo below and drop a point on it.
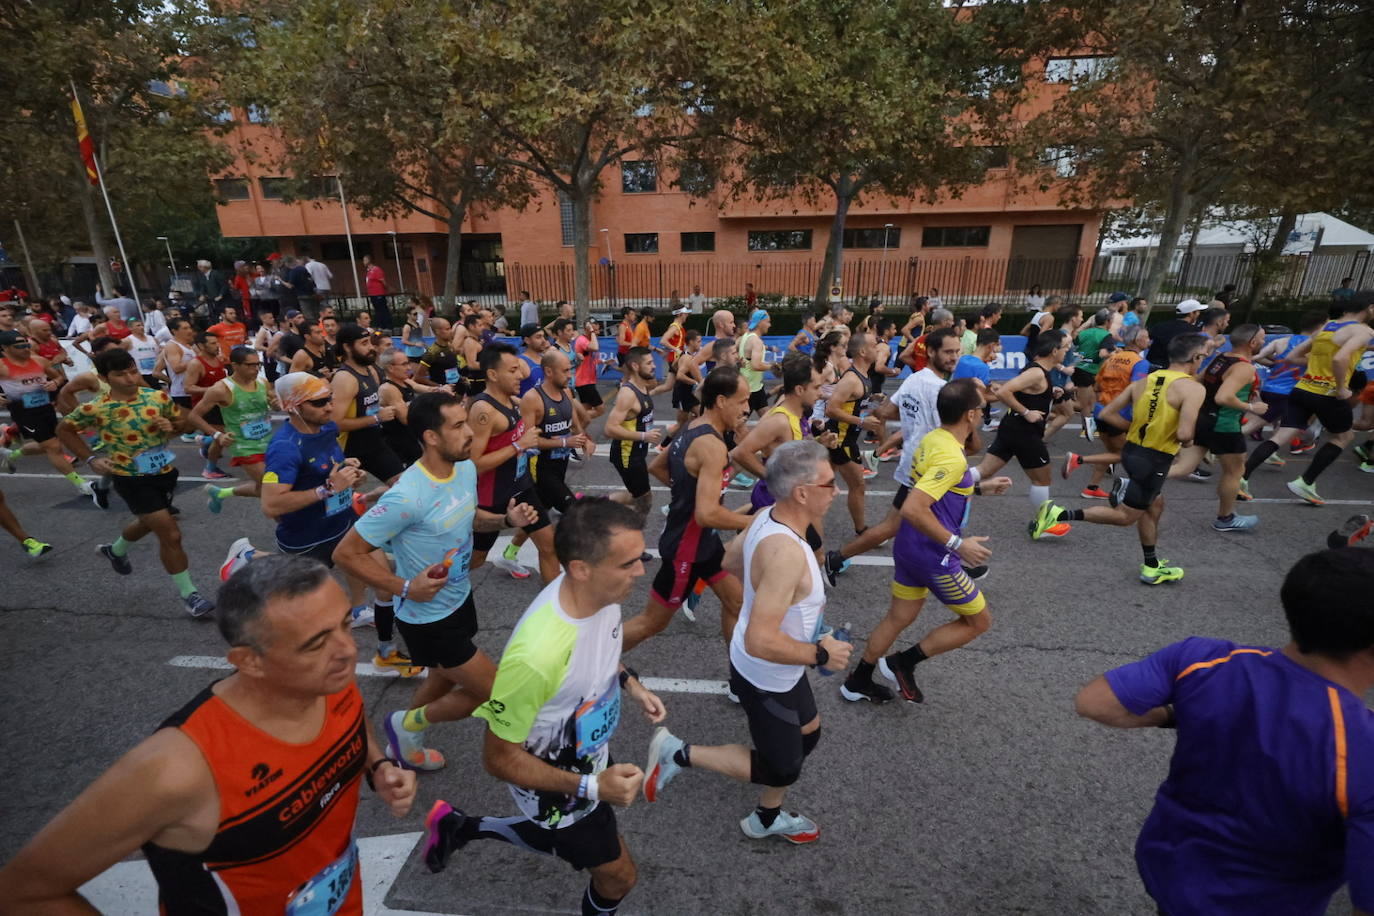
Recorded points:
(231, 188)
(780, 240)
(257, 114)
(955, 236)
(221, 114)
(641, 243)
(334, 251)
(638, 177)
(692, 177)
(273, 188)
(994, 157)
(872, 238)
(698, 241)
(565, 218)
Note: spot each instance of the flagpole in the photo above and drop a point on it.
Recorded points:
(33, 274)
(348, 232)
(119, 241)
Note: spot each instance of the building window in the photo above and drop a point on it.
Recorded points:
(1063, 159)
(221, 114)
(1078, 69)
(273, 188)
(694, 178)
(638, 177)
(641, 243)
(565, 218)
(334, 251)
(780, 240)
(997, 78)
(872, 238)
(257, 114)
(955, 236)
(231, 188)
(994, 157)
(698, 241)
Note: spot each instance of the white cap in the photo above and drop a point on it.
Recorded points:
(65, 300)
(1188, 306)
(685, 310)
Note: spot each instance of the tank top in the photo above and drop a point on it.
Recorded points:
(317, 362)
(365, 403)
(1115, 374)
(1040, 402)
(1224, 419)
(144, 352)
(210, 374)
(286, 813)
(847, 431)
(397, 434)
(625, 451)
(496, 486)
(534, 378)
(24, 386)
(1284, 375)
(761, 496)
(683, 540)
(555, 422)
(801, 621)
(178, 389)
(247, 417)
(1320, 377)
(1154, 423)
(809, 347)
(751, 375)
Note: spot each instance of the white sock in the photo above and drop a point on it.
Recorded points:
(1038, 495)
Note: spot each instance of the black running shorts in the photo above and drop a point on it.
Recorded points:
(1022, 441)
(776, 720)
(1335, 416)
(443, 643)
(1146, 469)
(482, 541)
(146, 493)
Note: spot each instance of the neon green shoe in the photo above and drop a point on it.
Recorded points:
(35, 548)
(1045, 519)
(1158, 575)
(1305, 490)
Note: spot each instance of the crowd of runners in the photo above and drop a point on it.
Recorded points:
(399, 466)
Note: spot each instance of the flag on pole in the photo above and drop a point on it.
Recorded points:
(83, 140)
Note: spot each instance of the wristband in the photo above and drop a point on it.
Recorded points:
(219, 434)
(373, 769)
(322, 491)
(564, 442)
(976, 474)
(405, 590)
(953, 542)
(90, 459)
(626, 674)
(1169, 720)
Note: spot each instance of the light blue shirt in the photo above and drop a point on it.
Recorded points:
(419, 520)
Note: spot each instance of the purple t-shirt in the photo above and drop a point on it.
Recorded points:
(1269, 803)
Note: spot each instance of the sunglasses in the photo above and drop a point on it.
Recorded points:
(642, 558)
(320, 402)
(829, 483)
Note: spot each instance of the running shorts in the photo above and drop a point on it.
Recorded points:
(589, 396)
(323, 551)
(182, 400)
(1105, 428)
(635, 475)
(1083, 379)
(775, 721)
(239, 461)
(37, 424)
(1276, 404)
(758, 400)
(146, 493)
(1023, 441)
(591, 840)
(1335, 416)
(482, 541)
(676, 578)
(913, 578)
(214, 417)
(443, 643)
(1146, 469)
(376, 457)
(847, 452)
(1218, 443)
(550, 482)
(684, 398)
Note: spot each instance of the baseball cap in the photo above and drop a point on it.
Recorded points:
(11, 338)
(1188, 306)
(293, 313)
(758, 316)
(529, 330)
(295, 388)
(1119, 297)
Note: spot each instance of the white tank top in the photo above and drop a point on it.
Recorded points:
(144, 352)
(178, 389)
(801, 622)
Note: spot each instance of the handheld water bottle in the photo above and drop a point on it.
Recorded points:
(841, 635)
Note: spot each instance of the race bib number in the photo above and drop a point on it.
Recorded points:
(450, 376)
(596, 721)
(255, 427)
(153, 460)
(35, 399)
(146, 364)
(371, 410)
(341, 501)
(323, 894)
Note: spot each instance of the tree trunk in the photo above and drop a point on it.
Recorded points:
(1180, 206)
(582, 275)
(1268, 263)
(834, 249)
(456, 215)
(94, 230)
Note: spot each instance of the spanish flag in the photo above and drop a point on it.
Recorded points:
(83, 139)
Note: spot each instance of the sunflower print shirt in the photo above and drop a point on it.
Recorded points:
(126, 429)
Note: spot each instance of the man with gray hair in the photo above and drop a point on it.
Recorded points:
(778, 636)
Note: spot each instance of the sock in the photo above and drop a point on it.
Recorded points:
(183, 582)
(75, 478)
(1071, 515)
(1038, 495)
(511, 552)
(1227, 517)
(120, 547)
(863, 673)
(223, 492)
(415, 720)
(384, 648)
(913, 656)
(384, 616)
(1258, 457)
(1150, 558)
(683, 756)
(593, 904)
(1321, 461)
(767, 815)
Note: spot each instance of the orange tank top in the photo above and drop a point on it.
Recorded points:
(286, 816)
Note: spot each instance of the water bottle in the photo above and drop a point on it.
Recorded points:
(841, 635)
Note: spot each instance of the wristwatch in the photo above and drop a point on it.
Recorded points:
(822, 656)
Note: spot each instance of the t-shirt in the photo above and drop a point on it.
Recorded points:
(127, 435)
(641, 335)
(1161, 334)
(229, 336)
(320, 274)
(304, 461)
(529, 312)
(1088, 343)
(697, 301)
(585, 374)
(968, 341)
(375, 281)
(420, 519)
(915, 401)
(972, 367)
(939, 470)
(557, 694)
(1269, 802)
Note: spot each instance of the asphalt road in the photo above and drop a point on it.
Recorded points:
(991, 797)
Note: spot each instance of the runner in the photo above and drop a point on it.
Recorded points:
(202, 374)
(554, 708)
(929, 550)
(1125, 365)
(686, 378)
(673, 340)
(1164, 415)
(145, 351)
(266, 341)
(1094, 344)
(624, 333)
(66, 402)
(440, 364)
(535, 344)
(134, 424)
(630, 427)
(1268, 806)
(549, 408)
(245, 407)
(696, 469)
(426, 521)
(1283, 375)
(753, 361)
(229, 331)
(358, 409)
(47, 346)
(586, 364)
(475, 327)
(28, 383)
(1332, 355)
(805, 340)
(222, 831)
(500, 442)
(398, 390)
(847, 413)
(30, 545)
(778, 637)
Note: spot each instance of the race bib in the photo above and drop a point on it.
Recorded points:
(255, 427)
(595, 722)
(450, 376)
(371, 410)
(153, 460)
(522, 465)
(341, 501)
(323, 894)
(558, 453)
(35, 399)
(146, 364)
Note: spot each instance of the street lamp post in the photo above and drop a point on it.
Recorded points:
(396, 249)
(176, 278)
(882, 265)
(610, 268)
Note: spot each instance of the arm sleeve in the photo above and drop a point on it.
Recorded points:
(517, 695)
(1150, 682)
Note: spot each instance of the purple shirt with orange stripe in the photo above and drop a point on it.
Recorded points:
(1269, 803)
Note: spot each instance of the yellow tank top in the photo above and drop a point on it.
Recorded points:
(1320, 377)
(1154, 423)
(793, 421)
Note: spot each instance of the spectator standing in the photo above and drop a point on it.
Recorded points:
(243, 289)
(128, 308)
(320, 275)
(1345, 292)
(529, 311)
(697, 301)
(303, 285)
(1035, 299)
(207, 284)
(264, 289)
(375, 281)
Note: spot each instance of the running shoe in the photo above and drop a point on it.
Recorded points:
(1301, 448)
(34, 547)
(1158, 575)
(190, 438)
(661, 767)
(446, 830)
(100, 495)
(85, 489)
(213, 473)
(1355, 529)
(792, 827)
(1117, 494)
(1200, 475)
(6, 462)
(891, 454)
(1305, 490)
(213, 502)
(742, 481)
(198, 605)
(1243, 491)
(1072, 462)
(664, 510)
(1094, 492)
(876, 694)
(1057, 531)
(1363, 452)
(1367, 467)
(363, 616)
(1047, 515)
(730, 694)
(691, 603)
(1276, 460)
(395, 661)
(120, 565)
(835, 565)
(409, 747)
(976, 572)
(1236, 523)
(1089, 430)
(515, 569)
(869, 473)
(904, 676)
(240, 552)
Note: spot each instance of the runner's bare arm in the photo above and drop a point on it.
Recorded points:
(1098, 702)
(766, 433)
(218, 395)
(1112, 412)
(345, 388)
(709, 455)
(624, 402)
(846, 389)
